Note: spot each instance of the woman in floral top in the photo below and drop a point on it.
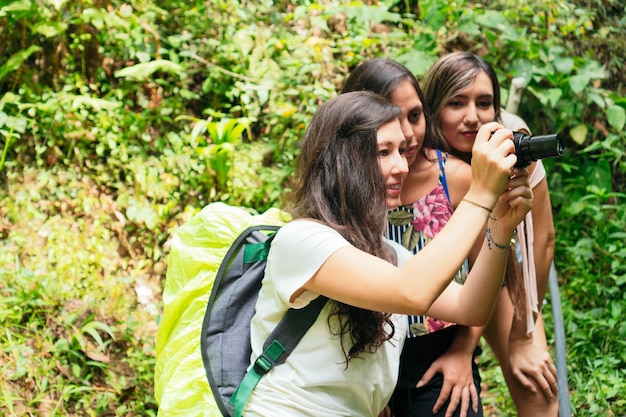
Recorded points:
(438, 375)
(414, 225)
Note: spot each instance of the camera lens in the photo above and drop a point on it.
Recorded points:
(532, 148)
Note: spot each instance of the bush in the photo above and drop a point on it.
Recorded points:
(118, 121)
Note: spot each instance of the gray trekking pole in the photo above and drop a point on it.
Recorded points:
(559, 344)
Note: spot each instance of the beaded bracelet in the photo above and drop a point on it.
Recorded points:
(502, 248)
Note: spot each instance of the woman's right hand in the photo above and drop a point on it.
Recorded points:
(493, 157)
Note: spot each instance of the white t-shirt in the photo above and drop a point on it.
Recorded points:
(314, 381)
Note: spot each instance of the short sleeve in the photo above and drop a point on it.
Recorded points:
(299, 249)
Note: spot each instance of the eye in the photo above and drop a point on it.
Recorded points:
(455, 103)
(402, 150)
(414, 116)
(486, 104)
(383, 152)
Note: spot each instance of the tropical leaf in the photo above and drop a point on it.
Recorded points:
(144, 70)
(410, 238)
(400, 217)
(16, 60)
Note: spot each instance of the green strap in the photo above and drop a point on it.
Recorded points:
(254, 252)
(284, 339)
(261, 366)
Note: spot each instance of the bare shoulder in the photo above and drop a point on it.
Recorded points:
(458, 169)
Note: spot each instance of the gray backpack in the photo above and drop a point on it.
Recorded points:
(225, 335)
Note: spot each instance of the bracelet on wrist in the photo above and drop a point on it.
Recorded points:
(477, 205)
(492, 245)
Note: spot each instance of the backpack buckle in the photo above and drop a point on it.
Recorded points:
(268, 358)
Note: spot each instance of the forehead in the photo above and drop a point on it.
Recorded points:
(405, 95)
(390, 133)
(480, 86)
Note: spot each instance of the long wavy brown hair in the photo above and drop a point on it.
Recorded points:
(339, 183)
(450, 74)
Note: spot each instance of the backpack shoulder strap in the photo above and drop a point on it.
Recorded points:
(277, 347)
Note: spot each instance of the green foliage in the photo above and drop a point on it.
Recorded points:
(118, 121)
(11, 127)
(70, 324)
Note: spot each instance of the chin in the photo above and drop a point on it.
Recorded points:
(410, 159)
(393, 203)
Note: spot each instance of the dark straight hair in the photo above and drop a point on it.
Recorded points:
(383, 76)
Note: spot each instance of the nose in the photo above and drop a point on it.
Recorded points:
(471, 115)
(400, 166)
(407, 130)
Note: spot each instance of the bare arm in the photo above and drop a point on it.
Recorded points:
(455, 365)
(369, 282)
(543, 247)
(372, 283)
(459, 179)
(543, 229)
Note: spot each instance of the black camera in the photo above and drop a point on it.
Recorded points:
(531, 148)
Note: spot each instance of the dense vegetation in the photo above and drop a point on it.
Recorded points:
(119, 121)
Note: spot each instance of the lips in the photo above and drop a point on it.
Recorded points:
(393, 189)
(469, 134)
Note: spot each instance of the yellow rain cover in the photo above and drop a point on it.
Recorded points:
(181, 387)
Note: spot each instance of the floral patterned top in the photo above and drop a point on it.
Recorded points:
(413, 226)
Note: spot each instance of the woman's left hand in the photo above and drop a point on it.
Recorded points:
(458, 382)
(513, 205)
(532, 366)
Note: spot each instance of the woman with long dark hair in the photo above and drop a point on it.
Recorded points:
(435, 185)
(350, 171)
